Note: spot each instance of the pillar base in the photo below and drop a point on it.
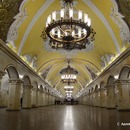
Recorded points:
(111, 107)
(26, 107)
(8, 109)
(34, 106)
(3, 106)
(123, 109)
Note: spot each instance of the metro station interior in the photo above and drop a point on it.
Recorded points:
(65, 64)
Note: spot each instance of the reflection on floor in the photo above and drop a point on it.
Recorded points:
(62, 117)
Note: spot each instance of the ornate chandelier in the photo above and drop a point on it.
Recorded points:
(68, 28)
(68, 75)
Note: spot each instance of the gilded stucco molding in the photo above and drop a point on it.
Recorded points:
(19, 19)
(8, 9)
(105, 59)
(118, 19)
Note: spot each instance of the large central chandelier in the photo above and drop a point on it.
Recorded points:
(68, 28)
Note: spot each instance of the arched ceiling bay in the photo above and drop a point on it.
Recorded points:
(88, 63)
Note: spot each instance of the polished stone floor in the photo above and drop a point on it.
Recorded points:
(65, 117)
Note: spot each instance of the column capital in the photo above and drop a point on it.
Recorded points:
(27, 86)
(15, 80)
(122, 81)
(2, 73)
(109, 85)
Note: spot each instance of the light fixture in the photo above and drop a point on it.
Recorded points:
(68, 87)
(68, 74)
(69, 91)
(68, 28)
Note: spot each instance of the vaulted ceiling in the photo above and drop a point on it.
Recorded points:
(25, 36)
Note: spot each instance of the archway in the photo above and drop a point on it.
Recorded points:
(103, 95)
(4, 90)
(91, 96)
(41, 96)
(123, 89)
(35, 94)
(111, 80)
(96, 96)
(26, 98)
(15, 88)
(111, 95)
(125, 73)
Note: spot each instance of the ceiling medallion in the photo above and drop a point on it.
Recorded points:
(68, 28)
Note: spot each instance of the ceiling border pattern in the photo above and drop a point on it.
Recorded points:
(19, 19)
(117, 17)
(105, 22)
(32, 23)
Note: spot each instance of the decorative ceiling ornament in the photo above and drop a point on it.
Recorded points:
(68, 28)
(31, 59)
(45, 72)
(8, 9)
(92, 73)
(68, 74)
(118, 18)
(19, 19)
(106, 59)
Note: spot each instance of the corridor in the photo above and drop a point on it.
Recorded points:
(61, 117)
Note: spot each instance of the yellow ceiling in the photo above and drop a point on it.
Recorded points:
(30, 42)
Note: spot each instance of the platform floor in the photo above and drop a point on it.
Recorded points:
(65, 117)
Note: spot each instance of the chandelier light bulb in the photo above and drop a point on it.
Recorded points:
(89, 22)
(70, 12)
(80, 15)
(62, 13)
(79, 32)
(46, 24)
(84, 31)
(53, 31)
(49, 19)
(73, 33)
(59, 34)
(54, 15)
(85, 18)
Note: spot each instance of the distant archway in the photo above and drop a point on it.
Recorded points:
(12, 72)
(35, 85)
(96, 88)
(26, 80)
(102, 84)
(125, 73)
(110, 80)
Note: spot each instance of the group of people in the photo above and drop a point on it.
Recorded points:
(67, 102)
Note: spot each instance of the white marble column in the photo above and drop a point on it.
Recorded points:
(40, 98)
(111, 96)
(49, 98)
(122, 94)
(34, 97)
(26, 101)
(103, 97)
(2, 73)
(14, 94)
(87, 99)
(46, 98)
(91, 99)
(96, 98)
